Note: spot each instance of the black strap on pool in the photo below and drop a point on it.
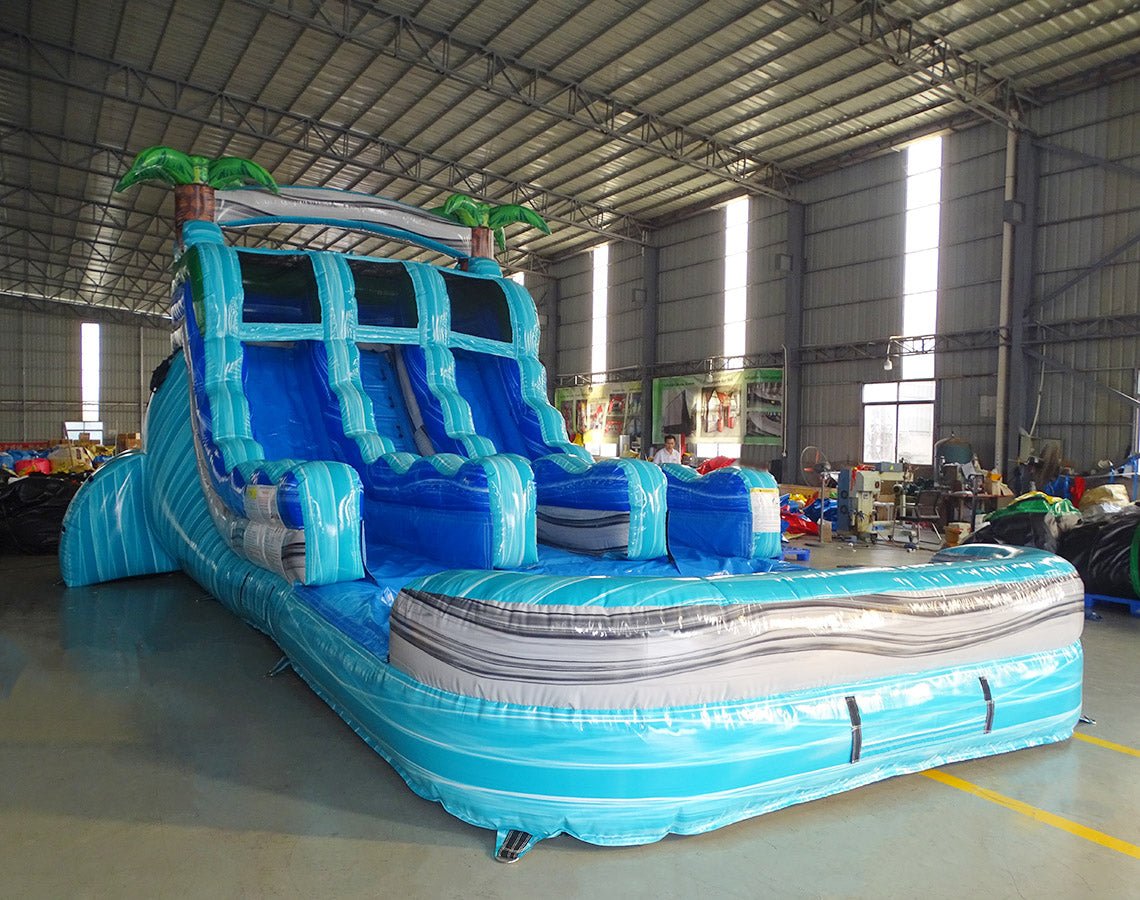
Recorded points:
(989, 703)
(514, 846)
(856, 728)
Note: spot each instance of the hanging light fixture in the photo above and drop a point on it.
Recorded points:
(888, 363)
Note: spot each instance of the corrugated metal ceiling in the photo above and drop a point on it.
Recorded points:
(608, 116)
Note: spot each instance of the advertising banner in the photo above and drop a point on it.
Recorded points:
(741, 406)
(601, 413)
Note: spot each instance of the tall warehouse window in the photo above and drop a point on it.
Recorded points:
(520, 278)
(920, 260)
(89, 369)
(898, 417)
(735, 280)
(601, 258)
(89, 363)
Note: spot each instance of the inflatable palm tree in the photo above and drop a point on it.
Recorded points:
(194, 179)
(486, 220)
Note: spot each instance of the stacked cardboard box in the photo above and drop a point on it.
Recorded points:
(128, 440)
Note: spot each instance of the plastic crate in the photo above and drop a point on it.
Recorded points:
(1133, 605)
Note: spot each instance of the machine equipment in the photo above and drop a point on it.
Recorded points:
(859, 493)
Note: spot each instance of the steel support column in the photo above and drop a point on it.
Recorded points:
(793, 339)
(1024, 248)
(649, 262)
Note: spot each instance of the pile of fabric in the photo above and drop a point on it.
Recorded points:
(1102, 539)
(1106, 551)
(31, 512)
(1032, 520)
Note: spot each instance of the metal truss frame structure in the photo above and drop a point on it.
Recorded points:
(400, 37)
(278, 126)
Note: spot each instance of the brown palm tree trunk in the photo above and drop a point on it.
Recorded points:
(483, 242)
(192, 203)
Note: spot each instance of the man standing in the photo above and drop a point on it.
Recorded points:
(669, 453)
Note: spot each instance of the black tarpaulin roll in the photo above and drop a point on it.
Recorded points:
(1032, 529)
(1105, 552)
(31, 512)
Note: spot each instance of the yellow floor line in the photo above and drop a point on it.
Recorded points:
(1039, 815)
(1108, 745)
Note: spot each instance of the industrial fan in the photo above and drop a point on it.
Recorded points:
(814, 466)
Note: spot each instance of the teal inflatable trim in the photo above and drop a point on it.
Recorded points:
(216, 287)
(330, 494)
(955, 571)
(767, 542)
(526, 333)
(511, 489)
(647, 497)
(435, 326)
(337, 292)
(105, 530)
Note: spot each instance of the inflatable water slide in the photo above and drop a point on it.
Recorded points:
(357, 457)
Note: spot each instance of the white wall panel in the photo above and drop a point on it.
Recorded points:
(969, 279)
(626, 308)
(767, 239)
(1084, 211)
(575, 312)
(40, 384)
(690, 288)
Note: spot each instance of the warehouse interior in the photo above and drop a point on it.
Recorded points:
(890, 249)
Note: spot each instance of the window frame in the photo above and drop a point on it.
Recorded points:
(897, 403)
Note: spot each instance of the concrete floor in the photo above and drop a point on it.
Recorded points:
(143, 753)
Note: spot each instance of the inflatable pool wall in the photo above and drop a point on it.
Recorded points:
(356, 456)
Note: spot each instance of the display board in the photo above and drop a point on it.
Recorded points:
(601, 413)
(740, 406)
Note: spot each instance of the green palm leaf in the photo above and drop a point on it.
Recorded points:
(464, 217)
(510, 213)
(466, 210)
(162, 164)
(229, 172)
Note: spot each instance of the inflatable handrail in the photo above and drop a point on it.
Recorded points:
(300, 519)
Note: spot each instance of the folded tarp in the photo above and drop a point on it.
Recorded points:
(1106, 553)
(1032, 520)
(31, 512)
